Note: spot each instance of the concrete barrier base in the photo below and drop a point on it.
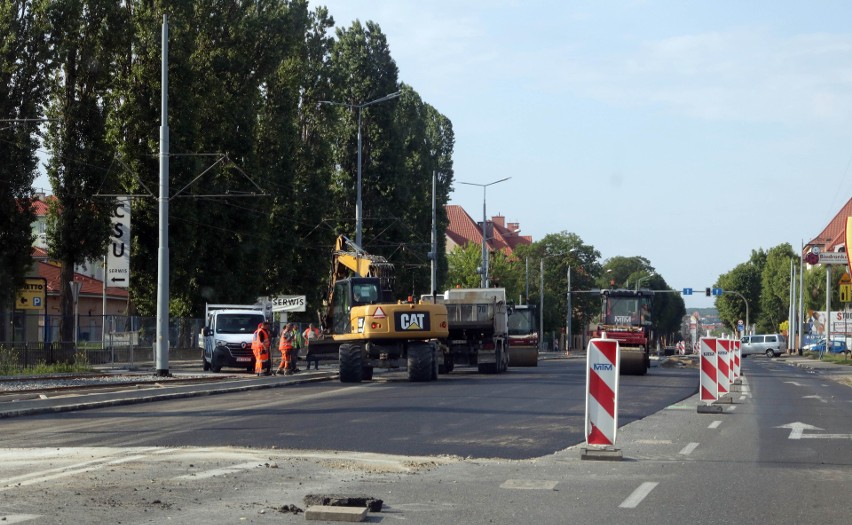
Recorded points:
(330, 513)
(602, 454)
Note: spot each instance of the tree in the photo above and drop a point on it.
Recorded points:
(23, 70)
(86, 37)
(463, 266)
(745, 279)
(775, 288)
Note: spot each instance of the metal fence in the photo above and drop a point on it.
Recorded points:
(28, 339)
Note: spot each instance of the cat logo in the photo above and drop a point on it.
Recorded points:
(412, 321)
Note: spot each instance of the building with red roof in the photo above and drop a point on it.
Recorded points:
(832, 238)
(500, 236)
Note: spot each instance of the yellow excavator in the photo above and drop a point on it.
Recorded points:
(371, 329)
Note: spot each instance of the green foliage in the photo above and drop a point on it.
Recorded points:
(463, 267)
(775, 288)
(745, 279)
(23, 71)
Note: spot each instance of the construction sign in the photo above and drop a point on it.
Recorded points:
(33, 295)
(845, 288)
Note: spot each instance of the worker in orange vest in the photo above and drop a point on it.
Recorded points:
(261, 343)
(288, 355)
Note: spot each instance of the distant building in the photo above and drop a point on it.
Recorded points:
(832, 238)
(499, 235)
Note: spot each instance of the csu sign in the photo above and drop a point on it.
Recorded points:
(118, 251)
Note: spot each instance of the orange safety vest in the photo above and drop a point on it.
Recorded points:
(286, 343)
(260, 344)
(308, 333)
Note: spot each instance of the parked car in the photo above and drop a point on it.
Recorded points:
(771, 345)
(836, 347)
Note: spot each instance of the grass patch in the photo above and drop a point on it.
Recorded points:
(10, 365)
(840, 359)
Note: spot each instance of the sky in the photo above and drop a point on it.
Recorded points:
(686, 132)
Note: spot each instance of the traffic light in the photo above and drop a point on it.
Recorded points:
(708, 292)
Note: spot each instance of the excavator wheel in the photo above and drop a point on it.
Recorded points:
(419, 362)
(351, 369)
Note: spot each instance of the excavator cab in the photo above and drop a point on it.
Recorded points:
(354, 291)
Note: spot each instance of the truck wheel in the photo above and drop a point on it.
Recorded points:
(351, 369)
(367, 373)
(206, 365)
(419, 362)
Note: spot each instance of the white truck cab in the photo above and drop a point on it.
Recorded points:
(227, 335)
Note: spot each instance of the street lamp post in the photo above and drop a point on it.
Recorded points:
(484, 268)
(741, 296)
(541, 296)
(639, 281)
(359, 212)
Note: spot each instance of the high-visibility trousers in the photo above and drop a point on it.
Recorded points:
(261, 360)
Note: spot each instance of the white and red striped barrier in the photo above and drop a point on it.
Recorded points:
(724, 366)
(736, 355)
(708, 380)
(602, 367)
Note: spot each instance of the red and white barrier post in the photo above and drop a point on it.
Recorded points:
(602, 371)
(708, 373)
(724, 365)
(736, 355)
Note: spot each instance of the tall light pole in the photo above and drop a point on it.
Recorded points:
(484, 267)
(359, 212)
(741, 296)
(541, 294)
(639, 281)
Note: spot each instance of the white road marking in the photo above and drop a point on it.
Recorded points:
(687, 450)
(63, 472)
(714, 424)
(18, 518)
(793, 383)
(821, 400)
(529, 484)
(742, 398)
(222, 471)
(732, 408)
(638, 495)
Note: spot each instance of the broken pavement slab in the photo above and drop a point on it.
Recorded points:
(335, 513)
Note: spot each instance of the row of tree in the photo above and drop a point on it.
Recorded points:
(262, 173)
(561, 254)
(764, 282)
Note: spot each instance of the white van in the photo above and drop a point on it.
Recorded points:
(772, 345)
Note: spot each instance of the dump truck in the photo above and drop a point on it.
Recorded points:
(477, 330)
(523, 335)
(225, 340)
(368, 328)
(626, 317)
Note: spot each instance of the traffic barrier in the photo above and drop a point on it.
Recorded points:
(708, 376)
(736, 355)
(602, 371)
(723, 366)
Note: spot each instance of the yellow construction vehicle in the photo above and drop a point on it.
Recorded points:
(370, 328)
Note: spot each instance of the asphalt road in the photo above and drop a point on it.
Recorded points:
(526, 413)
(780, 454)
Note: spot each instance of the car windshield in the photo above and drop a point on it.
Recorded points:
(238, 323)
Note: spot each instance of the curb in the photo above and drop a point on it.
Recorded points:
(54, 409)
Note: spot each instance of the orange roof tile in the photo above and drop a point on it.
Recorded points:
(88, 286)
(834, 232)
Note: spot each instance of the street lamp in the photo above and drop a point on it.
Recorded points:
(484, 268)
(541, 295)
(359, 216)
(639, 281)
(741, 296)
